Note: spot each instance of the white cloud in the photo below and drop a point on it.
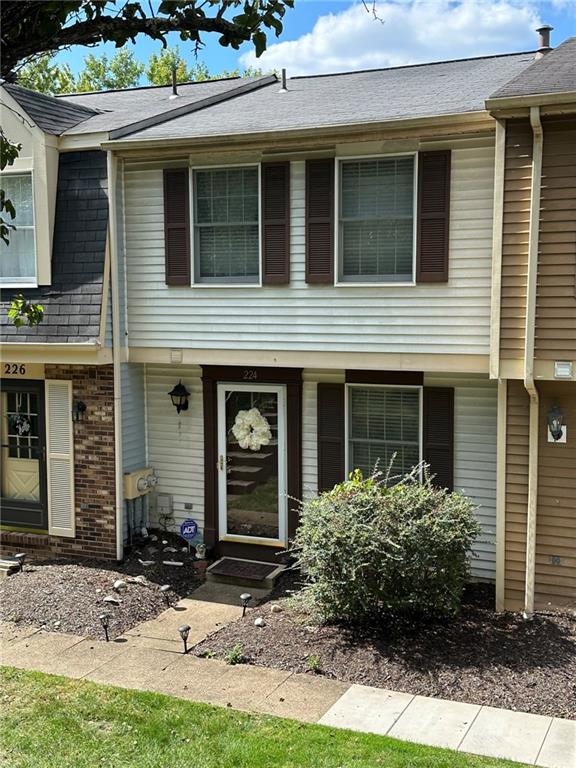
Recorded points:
(413, 31)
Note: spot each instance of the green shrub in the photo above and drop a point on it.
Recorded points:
(235, 655)
(367, 548)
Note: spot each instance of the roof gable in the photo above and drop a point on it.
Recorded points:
(51, 114)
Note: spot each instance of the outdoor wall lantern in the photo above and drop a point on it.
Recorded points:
(556, 427)
(180, 397)
(78, 410)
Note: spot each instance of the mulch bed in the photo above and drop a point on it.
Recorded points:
(481, 657)
(68, 596)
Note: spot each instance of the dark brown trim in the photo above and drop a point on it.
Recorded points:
(438, 434)
(331, 430)
(319, 220)
(177, 226)
(292, 378)
(275, 223)
(433, 224)
(400, 378)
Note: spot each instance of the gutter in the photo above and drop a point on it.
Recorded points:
(497, 236)
(112, 166)
(529, 342)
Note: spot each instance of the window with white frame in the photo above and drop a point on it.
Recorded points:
(18, 257)
(226, 225)
(383, 422)
(376, 219)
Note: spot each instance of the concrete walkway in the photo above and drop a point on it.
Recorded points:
(149, 657)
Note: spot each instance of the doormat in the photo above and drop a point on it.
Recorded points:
(243, 569)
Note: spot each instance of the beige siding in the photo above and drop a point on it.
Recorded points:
(517, 184)
(556, 521)
(516, 494)
(556, 297)
(452, 318)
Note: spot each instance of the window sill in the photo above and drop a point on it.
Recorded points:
(226, 285)
(353, 284)
(22, 286)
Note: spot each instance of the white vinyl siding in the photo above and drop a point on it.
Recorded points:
(175, 441)
(60, 458)
(226, 225)
(428, 318)
(18, 258)
(376, 219)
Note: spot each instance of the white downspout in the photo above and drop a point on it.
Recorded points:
(117, 342)
(529, 340)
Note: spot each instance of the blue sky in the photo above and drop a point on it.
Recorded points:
(327, 36)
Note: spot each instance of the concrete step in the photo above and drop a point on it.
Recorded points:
(246, 472)
(240, 487)
(256, 457)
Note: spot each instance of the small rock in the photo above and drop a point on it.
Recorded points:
(184, 549)
(140, 579)
(164, 542)
(112, 599)
(170, 549)
(146, 562)
(171, 562)
(98, 591)
(276, 608)
(153, 537)
(144, 533)
(57, 624)
(152, 550)
(259, 622)
(120, 586)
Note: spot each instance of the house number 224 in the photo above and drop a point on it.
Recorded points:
(250, 375)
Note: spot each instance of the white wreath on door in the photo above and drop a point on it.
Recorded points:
(251, 429)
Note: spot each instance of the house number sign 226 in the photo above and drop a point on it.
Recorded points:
(250, 374)
(14, 369)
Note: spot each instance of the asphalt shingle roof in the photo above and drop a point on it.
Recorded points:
(50, 114)
(72, 304)
(122, 108)
(553, 73)
(357, 97)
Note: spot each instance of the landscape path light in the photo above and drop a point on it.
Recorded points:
(105, 621)
(21, 558)
(184, 632)
(245, 598)
(165, 589)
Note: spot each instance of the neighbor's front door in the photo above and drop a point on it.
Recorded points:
(252, 463)
(23, 454)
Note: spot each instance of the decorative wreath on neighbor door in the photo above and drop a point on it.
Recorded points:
(20, 425)
(251, 429)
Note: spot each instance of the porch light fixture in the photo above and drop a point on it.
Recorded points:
(21, 558)
(78, 410)
(180, 395)
(165, 588)
(555, 422)
(184, 632)
(245, 598)
(105, 621)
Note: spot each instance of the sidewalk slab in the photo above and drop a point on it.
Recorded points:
(436, 722)
(303, 697)
(133, 668)
(510, 735)
(11, 632)
(33, 651)
(189, 677)
(79, 659)
(371, 710)
(245, 687)
(559, 748)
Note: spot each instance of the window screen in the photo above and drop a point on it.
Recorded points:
(18, 258)
(377, 219)
(383, 421)
(226, 232)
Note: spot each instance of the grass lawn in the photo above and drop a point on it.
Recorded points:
(54, 722)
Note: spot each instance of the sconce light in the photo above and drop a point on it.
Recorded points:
(555, 423)
(78, 410)
(180, 397)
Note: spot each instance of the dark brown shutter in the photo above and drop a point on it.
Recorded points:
(320, 221)
(438, 434)
(275, 223)
(433, 216)
(177, 226)
(330, 435)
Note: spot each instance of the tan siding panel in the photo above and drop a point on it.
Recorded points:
(517, 181)
(556, 331)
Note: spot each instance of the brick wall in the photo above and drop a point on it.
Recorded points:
(95, 498)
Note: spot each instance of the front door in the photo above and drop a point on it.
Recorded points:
(252, 463)
(23, 454)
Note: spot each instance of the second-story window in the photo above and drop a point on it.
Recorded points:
(376, 220)
(18, 258)
(226, 225)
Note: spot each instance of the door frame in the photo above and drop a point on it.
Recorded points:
(280, 391)
(292, 378)
(11, 507)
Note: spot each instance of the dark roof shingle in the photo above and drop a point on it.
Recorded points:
(553, 73)
(72, 304)
(50, 114)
